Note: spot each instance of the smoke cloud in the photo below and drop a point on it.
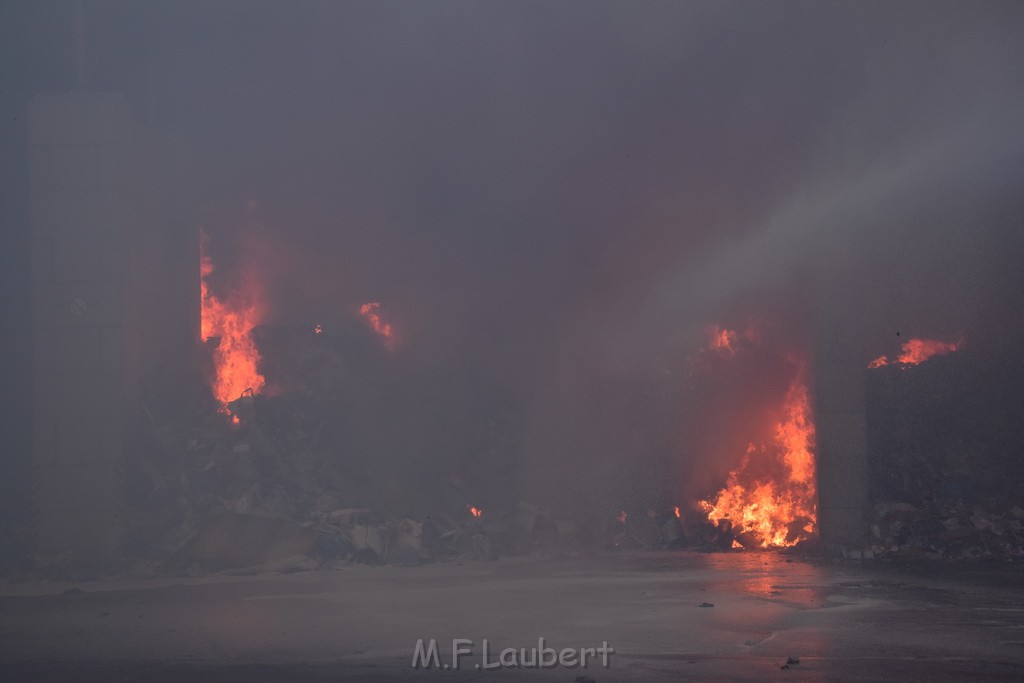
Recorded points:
(564, 195)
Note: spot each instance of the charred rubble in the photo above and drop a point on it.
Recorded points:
(944, 459)
(308, 474)
(356, 453)
(311, 476)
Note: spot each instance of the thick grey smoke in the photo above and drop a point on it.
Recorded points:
(565, 194)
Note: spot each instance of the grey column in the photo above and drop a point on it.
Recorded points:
(78, 150)
(839, 372)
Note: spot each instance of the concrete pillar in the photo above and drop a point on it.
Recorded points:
(839, 396)
(79, 146)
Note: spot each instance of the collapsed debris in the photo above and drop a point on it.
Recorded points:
(944, 530)
(260, 495)
(945, 471)
(288, 480)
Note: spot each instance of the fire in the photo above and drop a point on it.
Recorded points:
(722, 340)
(779, 511)
(371, 311)
(232, 320)
(678, 513)
(318, 330)
(919, 350)
(622, 517)
(727, 342)
(475, 511)
(916, 351)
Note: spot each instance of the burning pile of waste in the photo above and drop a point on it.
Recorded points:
(935, 459)
(770, 498)
(310, 447)
(282, 476)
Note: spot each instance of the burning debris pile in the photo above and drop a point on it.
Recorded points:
(278, 482)
(765, 512)
(294, 478)
(915, 352)
(326, 444)
(945, 470)
(317, 445)
(770, 499)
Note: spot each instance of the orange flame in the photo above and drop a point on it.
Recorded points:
(678, 513)
(778, 512)
(371, 311)
(318, 330)
(232, 320)
(916, 351)
(919, 350)
(722, 340)
(475, 511)
(879, 362)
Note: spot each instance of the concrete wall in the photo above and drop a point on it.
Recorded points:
(78, 152)
(114, 307)
(839, 395)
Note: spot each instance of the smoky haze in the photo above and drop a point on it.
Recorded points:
(564, 195)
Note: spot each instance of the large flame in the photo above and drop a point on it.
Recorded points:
(232, 320)
(915, 351)
(371, 312)
(777, 511)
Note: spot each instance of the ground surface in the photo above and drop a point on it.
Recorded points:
(361, 623)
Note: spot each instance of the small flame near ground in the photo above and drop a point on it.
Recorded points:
(475, 511)
(780, 511)
(317, 329)
(371, 312)
(232, 320)
(678, 512)
(916, 351)
(622, 517)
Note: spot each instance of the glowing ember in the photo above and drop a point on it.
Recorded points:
(775, 511)
(232, 321)
(917, 351)
(622, 516)
(317, 329)
(371, 311)
(475, 511)
(722, 340)
(678, 513)
(878, 362)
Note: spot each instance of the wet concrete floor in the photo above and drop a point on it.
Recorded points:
(667, 616)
